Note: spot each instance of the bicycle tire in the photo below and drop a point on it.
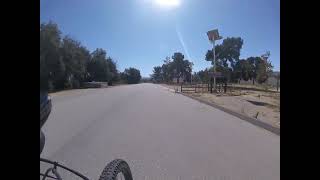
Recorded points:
(115, 167)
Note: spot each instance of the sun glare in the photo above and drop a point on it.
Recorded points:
(168, 3)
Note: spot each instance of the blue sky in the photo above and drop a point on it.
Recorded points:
(141, 33)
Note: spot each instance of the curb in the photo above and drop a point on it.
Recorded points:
(251, 120)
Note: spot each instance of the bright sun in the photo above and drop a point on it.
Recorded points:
(168, 3)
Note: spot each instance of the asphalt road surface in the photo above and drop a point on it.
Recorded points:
(161, 134)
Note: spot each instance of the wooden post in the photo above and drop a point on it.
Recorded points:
(211, 85)
(277, 83)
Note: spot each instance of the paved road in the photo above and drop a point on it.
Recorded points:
(161, 134)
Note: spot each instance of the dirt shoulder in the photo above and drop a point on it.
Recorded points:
(263, 106)
(80, 90)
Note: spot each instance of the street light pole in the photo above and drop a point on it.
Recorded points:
(213, 35)
(214, 65)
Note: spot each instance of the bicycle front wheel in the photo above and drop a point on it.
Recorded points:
(116, 170)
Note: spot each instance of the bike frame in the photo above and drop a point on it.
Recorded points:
(55, 172)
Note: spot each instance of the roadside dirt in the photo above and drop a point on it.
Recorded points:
(264, 106)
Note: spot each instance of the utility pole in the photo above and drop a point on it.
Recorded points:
(213, 35)
(214, 65)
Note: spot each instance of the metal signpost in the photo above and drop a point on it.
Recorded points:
(214, 75)
(213, 35)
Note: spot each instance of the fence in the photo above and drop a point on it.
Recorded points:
(201, 88)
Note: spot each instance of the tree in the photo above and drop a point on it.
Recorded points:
(52, 68)
(204, 76)
(219, 56)
(180, 67)
(145, 80)
(177, 65)
(75, 57)
(98, 68)
(166, 68)
(132, 75)
(259, 69)
(123, 77)
(263, 70)
(102, 68)
(196, 77)
(253, 62)
(230, 50)
(242, 70)
(113, 71)
(187, 70)
(67, 64)
(227, 55)
(157, 74)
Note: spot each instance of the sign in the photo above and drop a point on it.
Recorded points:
(213, 35)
